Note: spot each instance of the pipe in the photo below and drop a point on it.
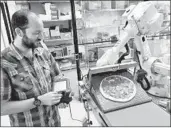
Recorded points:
(74, 28)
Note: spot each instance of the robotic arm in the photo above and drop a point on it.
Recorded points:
(142, 19)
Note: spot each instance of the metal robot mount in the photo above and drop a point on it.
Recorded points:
(84, 98)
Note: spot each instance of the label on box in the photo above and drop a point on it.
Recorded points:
(46, 33)
(55, 32)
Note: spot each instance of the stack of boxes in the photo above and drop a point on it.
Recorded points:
(55, 13)
(55, 32)
(52, 11)
(22, 5)
(52, 33)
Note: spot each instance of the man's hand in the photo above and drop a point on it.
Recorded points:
(63, 105)
(50, 98)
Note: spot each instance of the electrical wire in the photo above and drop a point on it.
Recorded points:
(72, 116)
(160, 35)
(144, 78)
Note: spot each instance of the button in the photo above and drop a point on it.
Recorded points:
(145, 58)
(21, 78)
(44, 91)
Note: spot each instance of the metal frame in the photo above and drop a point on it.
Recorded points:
(8, 16)
(108, 68)
(74, 26)
(5, 13)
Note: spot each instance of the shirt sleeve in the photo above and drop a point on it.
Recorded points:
(5, 86)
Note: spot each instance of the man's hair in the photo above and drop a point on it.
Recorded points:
(20, 19)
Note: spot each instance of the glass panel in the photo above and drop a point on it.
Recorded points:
(99, 28)
(4, 38)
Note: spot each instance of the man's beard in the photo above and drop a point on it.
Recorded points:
(29, 43)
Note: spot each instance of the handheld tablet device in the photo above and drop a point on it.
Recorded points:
(62, 86)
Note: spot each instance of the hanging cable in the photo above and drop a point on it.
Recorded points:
(142, 75)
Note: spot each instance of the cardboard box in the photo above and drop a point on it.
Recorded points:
(55, 32)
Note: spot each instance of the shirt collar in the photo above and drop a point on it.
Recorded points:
(16, 52)
(19, 55)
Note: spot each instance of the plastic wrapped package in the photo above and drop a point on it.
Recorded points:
(47, 8)
(165, 46)
(155, 47)
(106, 4)
(165, 59)
(94, 5)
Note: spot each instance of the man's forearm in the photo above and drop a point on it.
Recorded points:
(12, 107)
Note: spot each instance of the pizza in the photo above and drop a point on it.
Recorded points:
(118, 88)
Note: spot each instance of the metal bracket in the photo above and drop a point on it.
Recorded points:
(78, 56)
(116, 68)
(86, 123)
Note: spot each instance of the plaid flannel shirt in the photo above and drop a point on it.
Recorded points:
(22, 79)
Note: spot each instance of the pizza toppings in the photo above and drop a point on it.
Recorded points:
(118, 88)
